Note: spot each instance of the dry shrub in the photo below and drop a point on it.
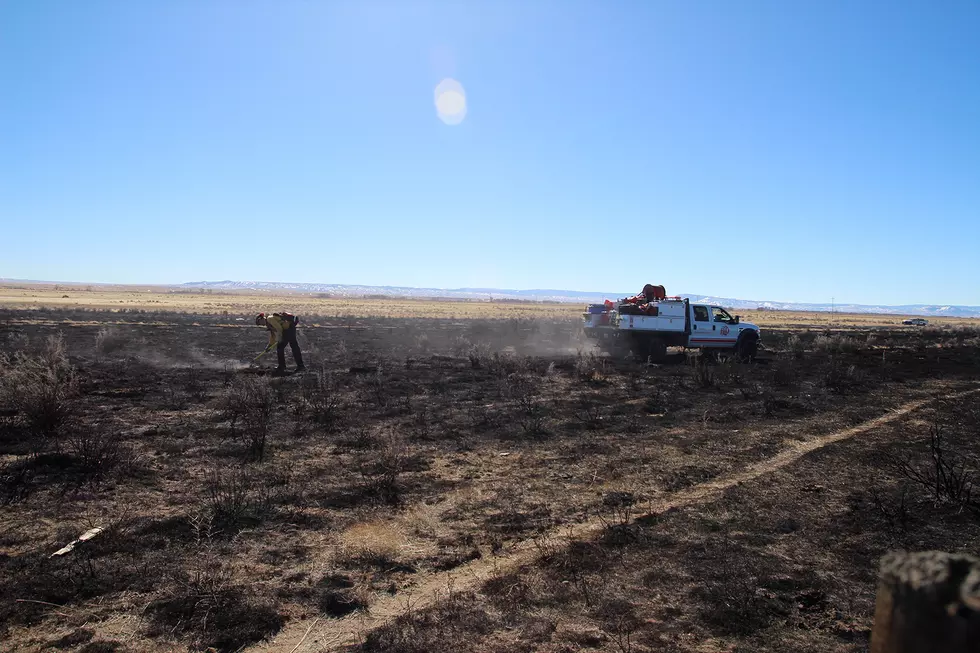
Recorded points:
(499, 364)
(591, 414)
(461, 345)
(249, 402)
(422, 422)
(257, 432)
(382, 466)
(619, 620)
(109, 340)
(947, 475)
(590, 367)
(421, 344)
(783, 373)
(379, 388)
(194, 385)
(340, 595)
(731, 585)
(238, 499)
(96, 450)
(704, 374)
(530, 412)
(205, 607)
(618, 508)
(359, 438)
(245, 395)
(503, 364)
(371, 543)
(841, 377)
(581, 563)
(836, 343)
(511, 592)
(452, 625)
(322, 401)
(478, 354)
(174, 396)
(421, 520)
(42, 389)
(893, 509)
(795, 346)
(729, 371)
(964, 334)
(16, 340)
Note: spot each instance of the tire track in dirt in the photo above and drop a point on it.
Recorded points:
(321, 635)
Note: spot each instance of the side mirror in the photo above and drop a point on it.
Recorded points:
(737, 318)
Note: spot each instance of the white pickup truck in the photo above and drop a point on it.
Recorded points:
(672, 322)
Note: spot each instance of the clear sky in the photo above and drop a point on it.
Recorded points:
(791, 151)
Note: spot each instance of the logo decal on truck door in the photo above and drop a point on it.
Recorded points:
(724, 330)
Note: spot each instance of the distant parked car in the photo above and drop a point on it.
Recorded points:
(916, 321)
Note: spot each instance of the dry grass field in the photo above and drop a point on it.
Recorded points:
(462, 477)
(128, 299)
(125, 299)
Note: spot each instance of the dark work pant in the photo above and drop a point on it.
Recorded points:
(289, 338)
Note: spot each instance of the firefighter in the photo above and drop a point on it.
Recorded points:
(282, 332)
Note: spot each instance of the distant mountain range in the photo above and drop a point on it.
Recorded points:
(570, 296)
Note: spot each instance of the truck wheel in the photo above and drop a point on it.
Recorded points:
(746, 348)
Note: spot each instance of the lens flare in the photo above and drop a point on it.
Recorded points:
(450, 101)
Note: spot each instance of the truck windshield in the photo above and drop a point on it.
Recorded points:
(721, 315)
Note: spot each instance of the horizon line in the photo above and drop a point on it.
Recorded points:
(488, 290)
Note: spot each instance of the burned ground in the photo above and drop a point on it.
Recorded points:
(237, 504)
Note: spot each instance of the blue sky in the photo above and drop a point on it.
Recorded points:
(792, 151)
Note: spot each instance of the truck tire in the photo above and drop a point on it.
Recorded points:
(747, 347)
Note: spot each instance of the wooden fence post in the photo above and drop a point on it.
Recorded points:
(927, 602)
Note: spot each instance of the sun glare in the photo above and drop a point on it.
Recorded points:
(450, 101)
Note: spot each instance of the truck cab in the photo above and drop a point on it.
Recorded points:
(713, 326)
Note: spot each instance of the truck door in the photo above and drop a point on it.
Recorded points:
(724, 332)
(701, 326)
(713, 327)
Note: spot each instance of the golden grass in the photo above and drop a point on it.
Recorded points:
(422, 521)
(825, 320)
(158, 298)
(374, 540)
(249, 303)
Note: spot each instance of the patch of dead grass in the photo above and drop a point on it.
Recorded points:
(376, 543)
